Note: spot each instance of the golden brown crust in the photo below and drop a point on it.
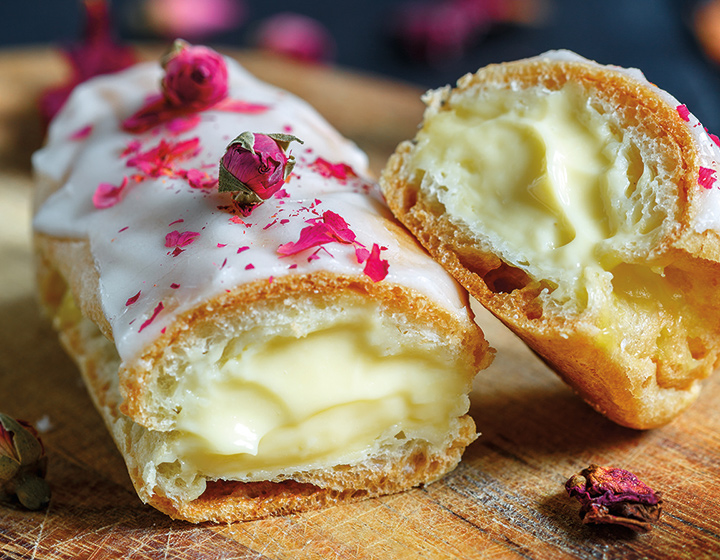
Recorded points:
(225, 501)
(631, 390)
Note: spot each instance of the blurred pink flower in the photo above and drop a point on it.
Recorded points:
(194, 19)
(436, 31)
(97, 53)
(296, 36)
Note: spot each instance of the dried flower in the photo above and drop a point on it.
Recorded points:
(436, 31)
(614, 496)
(255, 166)
(22, 463)
(196, 77)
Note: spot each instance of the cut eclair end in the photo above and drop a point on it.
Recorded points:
(343, 397)
(247, 361)
(577, 202)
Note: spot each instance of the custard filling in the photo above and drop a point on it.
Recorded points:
(552, 185)
(544, 178)
(335, 396)
(258, 407)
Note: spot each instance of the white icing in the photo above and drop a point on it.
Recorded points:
(128, 240)
(708, 200)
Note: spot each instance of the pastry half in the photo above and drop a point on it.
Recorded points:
(240, 380)
(579, 204)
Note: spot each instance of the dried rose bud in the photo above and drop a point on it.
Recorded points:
(196, 77)
(255, 166)
(22, 463)
(615, 496)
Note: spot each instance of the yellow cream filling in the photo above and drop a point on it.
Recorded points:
(290, 404)
(545, 179)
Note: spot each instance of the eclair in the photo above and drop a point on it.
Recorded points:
(254, 355)
(579, 203)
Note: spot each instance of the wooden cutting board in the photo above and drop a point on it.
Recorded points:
(505, 500)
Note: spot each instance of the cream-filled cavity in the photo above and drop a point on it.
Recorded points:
(548, 180)
(265, 409)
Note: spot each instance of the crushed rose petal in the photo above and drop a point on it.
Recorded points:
(181, 124)
(132, 147)
(684, 112)
(238, 106)
(133, 299)
(327, 229)
(158, 308)
(332, 227)
(107, 195)
(180, 239)
(161, 159)
(706, 177)
(198, 179)
(82, 133)
(327, 169)
(375, 267)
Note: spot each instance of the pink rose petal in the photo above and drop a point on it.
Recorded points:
(158, 308)
(706, 177)
(180, 239)
(83, 133)
(238, 106)
(684, 112)
(107, 195)
(375, 267)
(132, 299)
(161, 159)
(327, 169)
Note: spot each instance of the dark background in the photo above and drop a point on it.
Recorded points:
(654, 35)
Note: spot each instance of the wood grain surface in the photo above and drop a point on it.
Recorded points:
(505, 500)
